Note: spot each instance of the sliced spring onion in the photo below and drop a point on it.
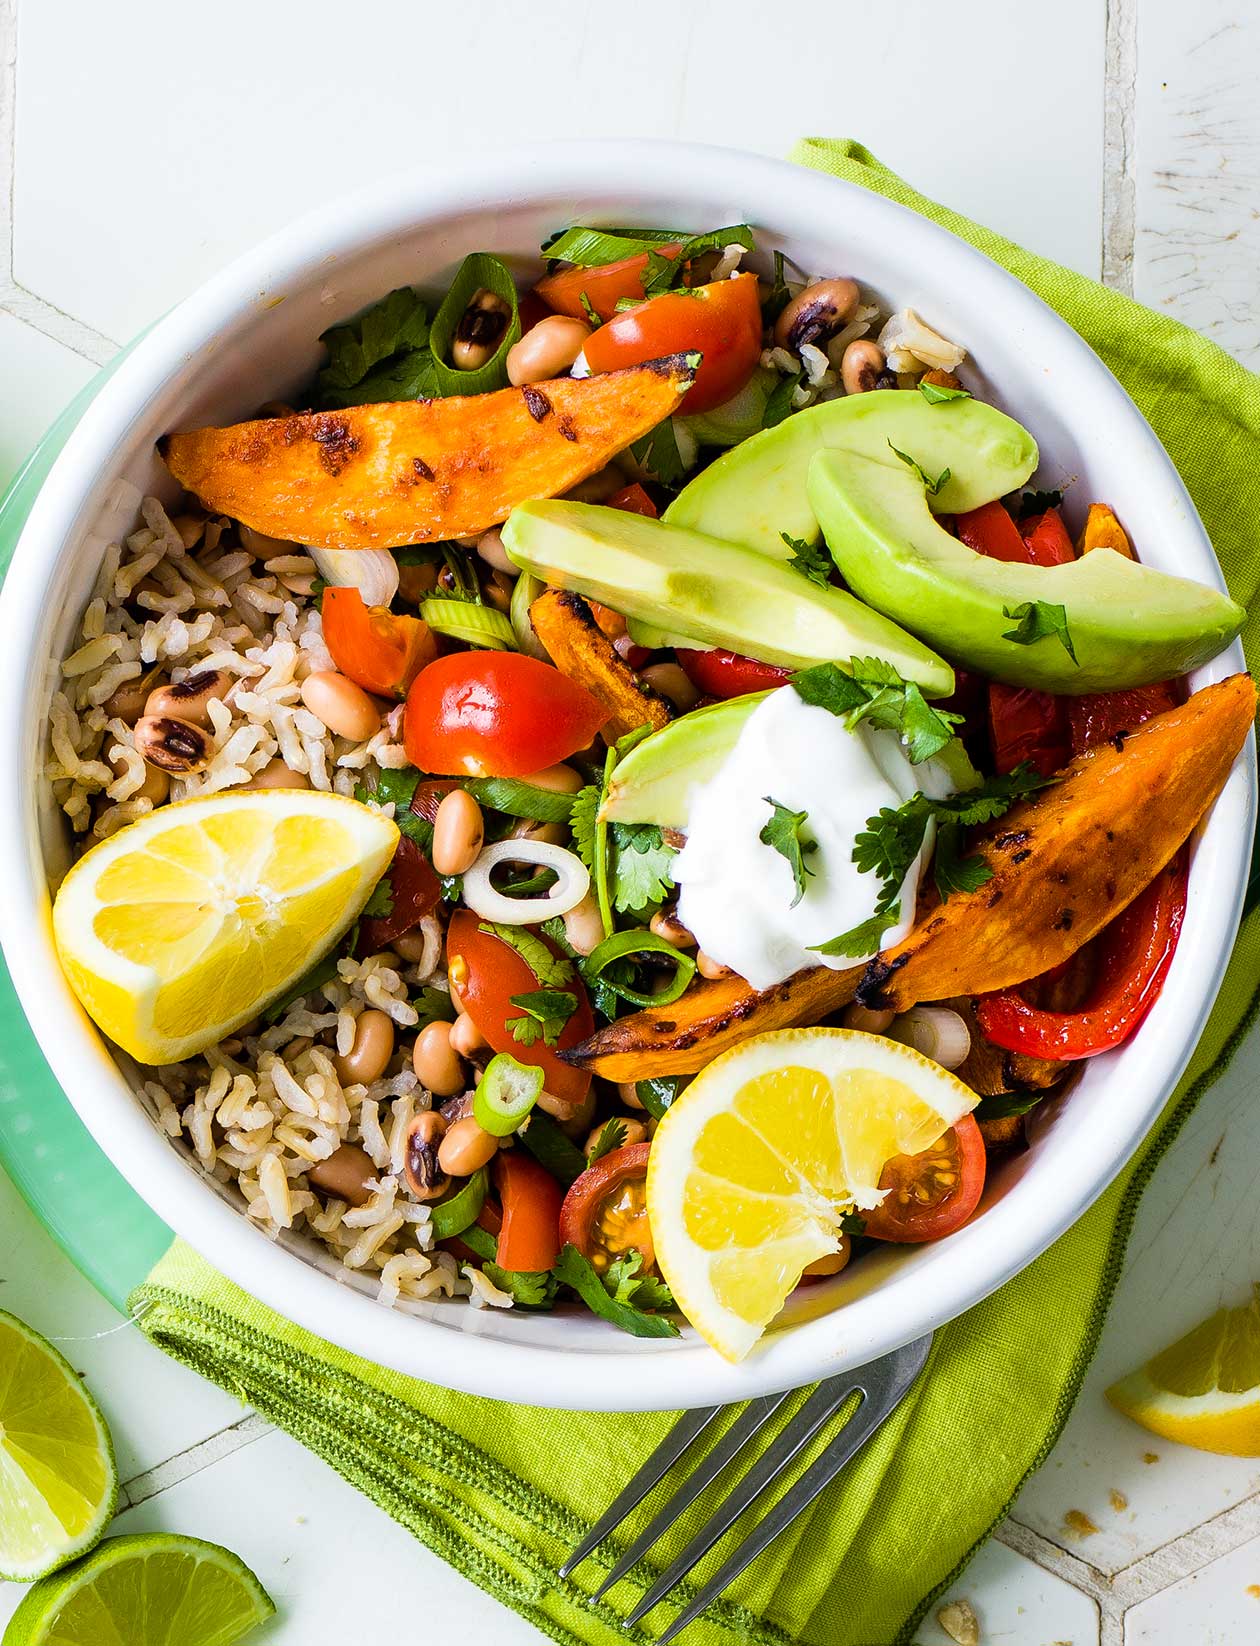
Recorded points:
(593, 248)
(936, 1031)
(525, 591)
(624, 945)
(520, 799)
(463, 620)
(505, 1094)
(454, 1214)
(374, 572)
(551, 1148)
(477, 270)
(484, 899)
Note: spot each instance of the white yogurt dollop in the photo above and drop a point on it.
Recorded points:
(735, 892)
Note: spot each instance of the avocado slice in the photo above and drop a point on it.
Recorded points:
(718, 593)
(756, 491)
(1129, 624)
(653, 783)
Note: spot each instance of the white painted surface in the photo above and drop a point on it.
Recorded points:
(151, 147)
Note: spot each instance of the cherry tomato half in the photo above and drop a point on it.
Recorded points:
(633, 500)
(496, 714)
(933, 1193)
(414, 891)
(529, 1237)
(721, 320)
(488, 972)
(378, 649)
(603, 288)
(605, 1211)
(720, 673)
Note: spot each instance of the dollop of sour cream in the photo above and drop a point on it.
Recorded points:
(736, 892)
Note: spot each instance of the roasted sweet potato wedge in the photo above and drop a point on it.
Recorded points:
(378, 477)
(1104, 531)
(579, 648)
(1066, 861)
(708, 1020)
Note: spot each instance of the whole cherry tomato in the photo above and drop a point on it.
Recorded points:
(932, 1193)
(721, 321)
(529, 1238)
(603, 288)
(605, 1211)
(380, 650)
(496, 714)
(487, 972)
(720, 673)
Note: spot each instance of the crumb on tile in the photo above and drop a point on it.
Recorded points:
(1079, 1524)
(1118, 1500)
(1150, 1457)
(960, 1622)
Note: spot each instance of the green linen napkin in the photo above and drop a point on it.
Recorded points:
(502, 1491)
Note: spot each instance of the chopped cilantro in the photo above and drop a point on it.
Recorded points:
(862, 939)
(1039, 620)
(658, 453)
(779, 401)
(397, 788)
(434, 1006)
(381, 902)
(783, 833)
(812, 560)
(933, 486)
(583, 821)
(641, 867)
(873, 690)
(621, 1295)
(547, 1011)
(937, 393)
(382, 355)
(550, 970)
(612, 1136)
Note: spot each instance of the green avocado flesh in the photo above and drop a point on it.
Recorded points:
(757, 491)
(1129, 624)
(653, 784)
(719, 594)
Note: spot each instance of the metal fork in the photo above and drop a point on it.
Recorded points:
(881, 1386)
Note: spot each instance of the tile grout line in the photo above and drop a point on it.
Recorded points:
(1119, 195)
(172, 1471)
(15, 299)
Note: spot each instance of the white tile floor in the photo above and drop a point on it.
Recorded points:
(153, 142)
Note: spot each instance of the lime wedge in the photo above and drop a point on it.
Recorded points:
(58, 1484)
(159, 1589)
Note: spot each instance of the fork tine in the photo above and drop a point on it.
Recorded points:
(825, 1400)
(878, 1404)
(707, 1469)
(675, 1443)
(882, 1385)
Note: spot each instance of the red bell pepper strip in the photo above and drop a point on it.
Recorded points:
(990, 530)
(1027, 725)
(1101, 717)
(529, 1239)
(1046, 539)
(720, 673)
(1134, 954)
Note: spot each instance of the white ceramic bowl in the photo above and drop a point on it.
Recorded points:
(249, 336)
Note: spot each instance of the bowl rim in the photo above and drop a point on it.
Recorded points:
(959, 1272)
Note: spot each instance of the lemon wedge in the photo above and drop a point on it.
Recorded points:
(181, 927)
(756, 1162)
(1204, 1391)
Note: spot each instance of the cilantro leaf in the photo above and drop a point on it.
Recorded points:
(532, 1288)
(397, 788)
(612, 1136)
(779, 403)
(625, 1282)
(666, 273)
(852, 1223)
(381, 902)
(783, 834)
(891, 841)
(863, 939)
(547, 1011)
(951, 871)
(551, 1148)
(583, 821)
(937, 393)
(810, 559)
(434, 1006)
(550, 970)
(641, 866)
(572, 1270)
(382, 355)
(1038, 620)
(994, 797)
(933, 486)
(658, 453)
(871, 689)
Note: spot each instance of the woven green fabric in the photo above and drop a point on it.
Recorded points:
(502, 1491)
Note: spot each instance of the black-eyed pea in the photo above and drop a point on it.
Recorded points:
(344, 1175)
(276, 774)
(490, 549)
(635, 1132)
(346, 709)
(369, 1056)
(416, 583)
(861, 366)
(710, 968)
(480, 330)
(437, 1064)
(628, 1092)
(865, 1020)
(816, 314)
(559, 779)
(466, 1148)
(553, 834)
(423, 1172)
(459, 831)
(665, 923)
(584, 925)
(156, 787)
(546, 349)
(670, 680)
(466, 1037)
(189, 699)
(176, 746)
(127, 702)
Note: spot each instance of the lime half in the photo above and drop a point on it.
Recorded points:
(58, 1484)
(158, 1589)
